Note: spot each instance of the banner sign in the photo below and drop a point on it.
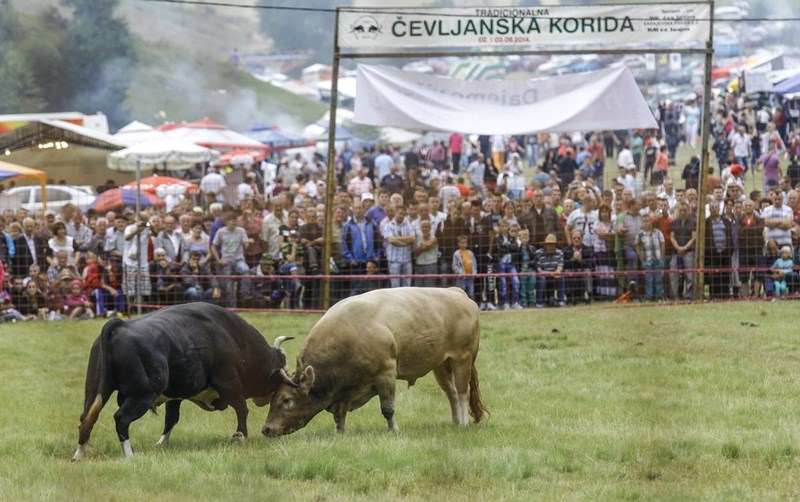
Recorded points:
(602, 100)
(635, 25)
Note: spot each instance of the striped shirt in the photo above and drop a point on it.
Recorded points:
(549, 262)
(395, 253)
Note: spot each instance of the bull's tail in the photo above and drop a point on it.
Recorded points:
(476, 407)
(99, 385)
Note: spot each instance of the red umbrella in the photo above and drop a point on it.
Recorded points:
(117, 198)
(151, 183)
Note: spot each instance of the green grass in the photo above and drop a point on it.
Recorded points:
(612, 403)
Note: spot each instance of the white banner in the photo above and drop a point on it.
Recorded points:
(601, 100)
(662, 24)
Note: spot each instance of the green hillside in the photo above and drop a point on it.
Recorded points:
(181, 72)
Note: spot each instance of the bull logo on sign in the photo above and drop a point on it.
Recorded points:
(365, 28)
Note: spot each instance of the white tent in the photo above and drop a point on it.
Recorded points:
(605, 99)
(137, 132)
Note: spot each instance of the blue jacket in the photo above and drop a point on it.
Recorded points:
(353, 248)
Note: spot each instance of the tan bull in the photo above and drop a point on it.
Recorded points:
(365, 343)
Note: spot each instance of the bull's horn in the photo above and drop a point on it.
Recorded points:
(280, 340)
(286, 379)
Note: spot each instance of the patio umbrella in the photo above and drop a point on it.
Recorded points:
(117, 198)
(172, 154)
(151, 183)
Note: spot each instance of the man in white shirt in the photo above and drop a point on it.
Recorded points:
(741, 145)
(213, 186)
(778, 220)
(134, 259)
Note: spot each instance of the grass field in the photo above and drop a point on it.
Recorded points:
(614, 403)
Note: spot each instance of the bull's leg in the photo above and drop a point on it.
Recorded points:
(229, 387)
(240, 407)
(339, 411)
(461, 374)
(444, 376)
(87, 424)
(131, 409)
(171, 417)
(385, 388)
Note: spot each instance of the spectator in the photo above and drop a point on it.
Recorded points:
(549, 268)
(33, 304)
(135, 260)
(198, 283)
(603, 248)
(212, 186)
(292, 253)
(526, 267)
(628, 228)
(718, 251)
(166, 286)
(465, 266)
(29, 248)
(77, 305)
(171, 241)
(578, 259)
(400, 239)
(426, 251)
(102, 282)
(651, 249)
(358, 245)
(782, 271)
(228, 251)
(251, 221)
(196, 242)
(751, 255)
(269, 289)
(506, 248)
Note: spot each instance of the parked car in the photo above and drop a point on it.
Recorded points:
(30, 197)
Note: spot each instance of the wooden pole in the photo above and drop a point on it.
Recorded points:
(330, 179)
(702, 190)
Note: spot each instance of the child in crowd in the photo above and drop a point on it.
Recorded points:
(527, 260)
(32, 304)
(77, 305)
(465, 266)
(506, 248)
(101, 282)
(292, 253)
(781, 270)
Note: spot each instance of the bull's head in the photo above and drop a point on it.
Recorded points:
(278, 375)
(293, 404)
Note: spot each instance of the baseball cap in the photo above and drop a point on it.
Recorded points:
(367, 196)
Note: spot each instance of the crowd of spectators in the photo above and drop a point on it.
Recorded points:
(514, 221)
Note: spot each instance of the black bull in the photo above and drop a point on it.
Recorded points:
(196, 351)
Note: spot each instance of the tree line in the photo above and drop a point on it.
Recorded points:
(78, 56)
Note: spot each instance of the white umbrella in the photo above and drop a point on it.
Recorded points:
(171, 154)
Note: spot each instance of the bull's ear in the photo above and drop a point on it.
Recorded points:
(307, 380)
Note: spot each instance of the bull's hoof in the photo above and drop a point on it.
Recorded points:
(238, 437)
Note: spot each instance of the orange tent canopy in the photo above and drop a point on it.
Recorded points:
(10, 171)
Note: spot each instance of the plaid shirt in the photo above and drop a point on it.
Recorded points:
(650, 244)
